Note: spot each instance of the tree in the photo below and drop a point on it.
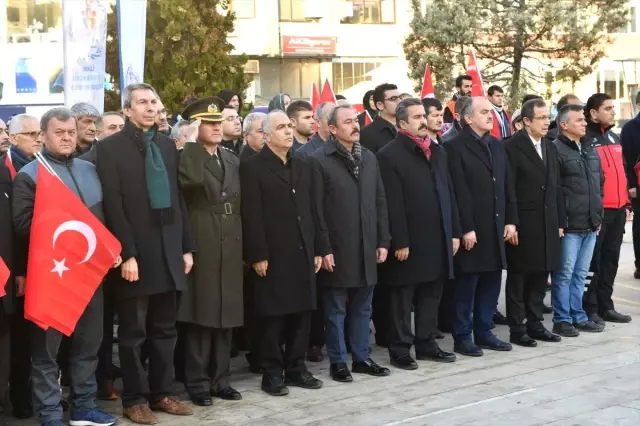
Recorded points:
(508, 36)
(187, 52)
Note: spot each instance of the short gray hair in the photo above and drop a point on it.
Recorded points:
(249, 120)
(15, 124)
(563, 114)
(317, 114)
(59, 113)
(127, 93)
(468, 107)
(266, 123)
(332, 117)
(402, 110)
(83, 109)
(175, 131)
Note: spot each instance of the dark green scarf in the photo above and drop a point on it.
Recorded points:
(156, 174)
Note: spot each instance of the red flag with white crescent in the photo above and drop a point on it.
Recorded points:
(473, 70)
(70, 252)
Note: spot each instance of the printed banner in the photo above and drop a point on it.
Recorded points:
(132, 30)
(85, 44)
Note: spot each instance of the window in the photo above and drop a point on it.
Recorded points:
(244, 9)
(291, 76)
(292, 10)
(632, 25)
(348, 74)
(33, 19)
(369, 12)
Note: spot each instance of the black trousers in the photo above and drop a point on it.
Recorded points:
(105, 353)
(207, 358)
(294, 330)
(151, 319)
(424, 298)
(635, 203)
(525, 300)
(604, 263)
(5, 354)
(446, 309)
(316, 329)
(20, 377)
(380, 313)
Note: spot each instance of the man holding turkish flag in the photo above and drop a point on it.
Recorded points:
(57, 204)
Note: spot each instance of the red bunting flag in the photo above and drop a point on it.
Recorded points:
(4, 277)
(327, 94)
(70, 252)
(367, 118)
(427, 84)
(315, 96)
(8, 161)
(474, 71)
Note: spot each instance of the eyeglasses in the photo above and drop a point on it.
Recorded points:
(32, 135)
(393, 99)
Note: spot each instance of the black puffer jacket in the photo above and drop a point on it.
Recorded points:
(582, 182)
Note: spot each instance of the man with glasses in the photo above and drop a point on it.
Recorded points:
(5, 143)
(231, 129)
(375, 136)
(535, 250)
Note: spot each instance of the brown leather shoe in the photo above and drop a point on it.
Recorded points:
(171, 405)
(140, 414)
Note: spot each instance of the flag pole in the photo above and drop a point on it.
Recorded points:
(46, 165)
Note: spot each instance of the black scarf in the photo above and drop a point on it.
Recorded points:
(353, 160)
(18, 158)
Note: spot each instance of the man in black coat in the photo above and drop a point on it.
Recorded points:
(374, 137)
(535, 250)
(145, 210)
(488, 215)
(351, 208)
(425, 235)
(279, 234)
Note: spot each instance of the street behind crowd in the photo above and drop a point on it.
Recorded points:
(591, 380)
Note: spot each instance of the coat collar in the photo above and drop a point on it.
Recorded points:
(278, 168)
(523, 142)
(472, 141)
(137, 135)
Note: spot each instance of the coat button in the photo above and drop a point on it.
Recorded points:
(293, 190)
(299, 217)
(301, 248)
(543, 187)
(497, 215)
(224, 194)
(494, 179)
(224, 216)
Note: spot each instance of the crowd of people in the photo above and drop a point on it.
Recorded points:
(286, 232)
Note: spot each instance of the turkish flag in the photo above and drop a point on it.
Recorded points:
(4, 277)
(315, 96)
(8, 161)
(327, 94)
(474, 71)
(367, 118)
(70, 252)
(427, 84)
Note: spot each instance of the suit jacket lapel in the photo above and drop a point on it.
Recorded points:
(474, 146)
(272, 160)
(212, 165)
(526, 146)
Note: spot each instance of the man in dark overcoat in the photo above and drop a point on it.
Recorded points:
(144, 209)
(535, 251)
(212, 304)
(352, 212)
(425, 235)
(488, 215)
(280, 246)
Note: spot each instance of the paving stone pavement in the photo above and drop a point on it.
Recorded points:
(591, 380)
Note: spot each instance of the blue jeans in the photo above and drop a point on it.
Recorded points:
(358, 311)
(475, 298)
(568, 282)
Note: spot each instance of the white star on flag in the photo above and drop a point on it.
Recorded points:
(60, 267)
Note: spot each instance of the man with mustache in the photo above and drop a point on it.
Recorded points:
(425, 234)
(488, 215)
(434, 116)
(534, 252)
(352, 213)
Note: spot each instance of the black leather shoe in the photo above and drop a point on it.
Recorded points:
(274, 385)
(468, 348)
(303, 380)
(522, 339)
(597, 319)
(369, 367)
(544, 335)
(499, 319)
(404, 362)
(314, 354)
(438, 356)
(565, 329)
(589, 326)
(340, 373)
(228, 393)
(494, 344)
(547, 309)
(614, 316)
(201, 399)
(438, 335)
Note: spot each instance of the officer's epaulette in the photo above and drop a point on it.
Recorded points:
(227, 149)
